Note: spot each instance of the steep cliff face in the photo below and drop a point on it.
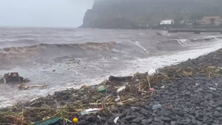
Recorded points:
(143, 13)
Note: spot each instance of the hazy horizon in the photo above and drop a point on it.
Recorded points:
(43, 13)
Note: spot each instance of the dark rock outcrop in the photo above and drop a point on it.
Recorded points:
(135, 14)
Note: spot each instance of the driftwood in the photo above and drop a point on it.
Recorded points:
(12, 77)
(23, 87)
(126, 78)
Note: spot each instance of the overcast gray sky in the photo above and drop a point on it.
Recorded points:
(43, 13)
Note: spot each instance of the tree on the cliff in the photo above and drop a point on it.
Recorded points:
(197, 16)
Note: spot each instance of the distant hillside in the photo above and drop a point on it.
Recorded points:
(140, 13)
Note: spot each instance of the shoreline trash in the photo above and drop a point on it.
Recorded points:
(117, 99)
(75, 120)
(12, 77)
(116, 119)
(48, 121)
(151, 72)
(154, 107)
(152, 89)
(120, 103)
(89, 111)
(113, 78)
(121, 89)
(101, 88)
(162, 87)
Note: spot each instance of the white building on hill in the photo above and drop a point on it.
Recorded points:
(167, 22)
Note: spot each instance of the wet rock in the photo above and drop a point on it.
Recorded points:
(216, 114)
(207, 96)
(150, 120)
(219, 108)
(145, 122)
(147, 107)
(199, 123)
(193, 120)
(83, 123)
(130, 117)
(137, 120)
(111, 119)
(187, 120)
(114, 109)
(157, 119)
(144, 112)
(91, 119)
(172, 123)
(166, 119)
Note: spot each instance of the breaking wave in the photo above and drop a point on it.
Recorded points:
(55, 50)
(183, 42)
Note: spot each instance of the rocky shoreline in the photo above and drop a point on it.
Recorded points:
(189, 93)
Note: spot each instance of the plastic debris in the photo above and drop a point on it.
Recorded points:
(151, 72)
(116, 119)
(119, 103)
(48, 121)
(162, 87)
(154, 107)
(89, 111)
(117, 99)
(121, 89)
(152, 89)
(101, 88)
(75, 120)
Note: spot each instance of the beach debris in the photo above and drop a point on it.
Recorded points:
(24, 87)
(151, 72)
(126, 78)
(120, 103)
(90, 111)
(12, 77)
(115, 120)
(75, 120)
(121, 89)
(117, 99)
(101, 88)
(155, 107)
(48, 121)
(152, 89)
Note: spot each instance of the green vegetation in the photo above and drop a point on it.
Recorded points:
(140, 13)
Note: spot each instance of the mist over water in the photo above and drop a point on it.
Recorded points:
(43, 13)
(63, 58)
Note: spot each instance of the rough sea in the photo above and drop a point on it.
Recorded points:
(69, 58)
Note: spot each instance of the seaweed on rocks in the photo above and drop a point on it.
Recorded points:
(187, 93)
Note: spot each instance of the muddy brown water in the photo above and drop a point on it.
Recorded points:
(64, 58)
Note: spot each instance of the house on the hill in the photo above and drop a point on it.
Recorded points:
(211, 20)
(167, 22)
